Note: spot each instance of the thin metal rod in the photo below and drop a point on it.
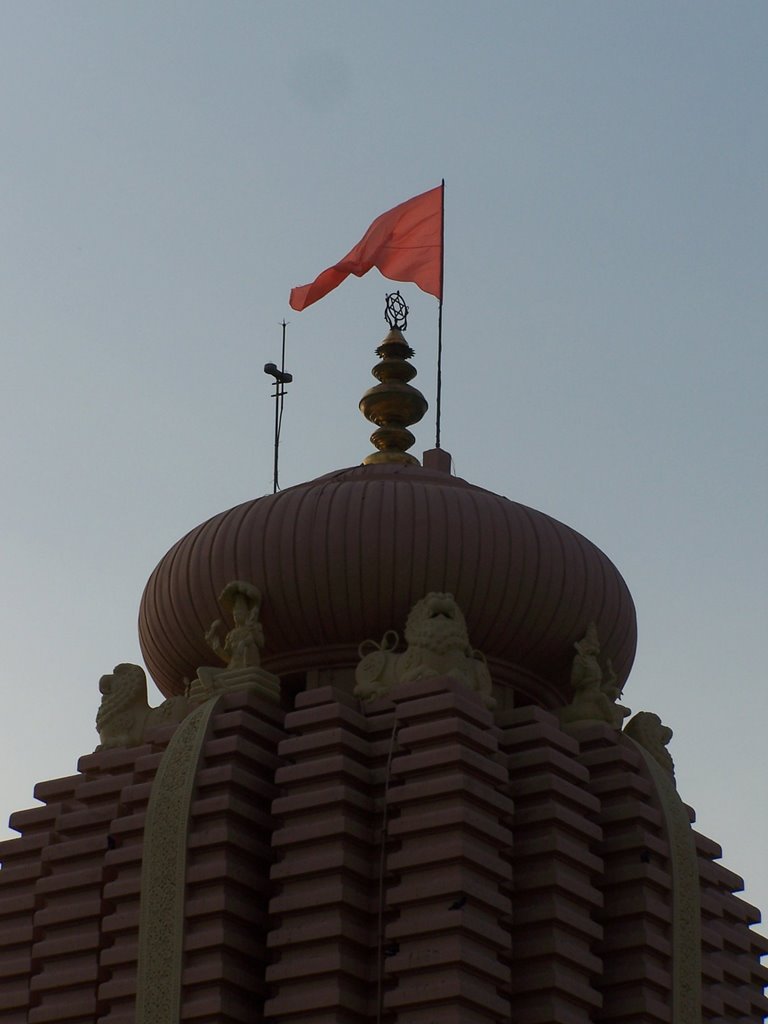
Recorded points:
(438, 402)
(279, 401)
(277, 435)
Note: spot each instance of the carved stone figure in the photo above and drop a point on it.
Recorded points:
(241, 649)
(124, 715)
(242, 644)
(595, 692)
(649, 731)
(437, 644)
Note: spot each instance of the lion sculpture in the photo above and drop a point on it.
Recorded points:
(437, 644)
(124, 716)
(649, 731)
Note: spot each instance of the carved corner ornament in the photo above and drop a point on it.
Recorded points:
(595, 690)
(437, 644)
(649, 732)
(124, 716)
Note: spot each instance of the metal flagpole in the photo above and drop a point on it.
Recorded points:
(440, 318)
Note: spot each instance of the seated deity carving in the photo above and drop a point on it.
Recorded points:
(649, 731)
(242, 644)
(595, 691)
(124, 716)
(240, 650)
(437, 644)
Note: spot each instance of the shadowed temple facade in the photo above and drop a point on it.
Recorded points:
(394, 780)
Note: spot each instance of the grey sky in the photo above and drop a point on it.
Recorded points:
(170, 170)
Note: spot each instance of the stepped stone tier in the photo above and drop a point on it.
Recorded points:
(408, 860)
(391, 783)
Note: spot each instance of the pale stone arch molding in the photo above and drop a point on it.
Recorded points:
(686, 899)
(163, 872)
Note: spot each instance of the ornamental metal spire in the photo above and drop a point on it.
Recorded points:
(393, 404)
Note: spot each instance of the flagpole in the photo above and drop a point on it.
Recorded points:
(440, 318)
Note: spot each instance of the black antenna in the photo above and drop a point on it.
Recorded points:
(281, 379)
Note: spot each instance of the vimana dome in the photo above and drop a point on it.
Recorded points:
(345, 557)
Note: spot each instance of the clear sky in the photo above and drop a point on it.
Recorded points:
(170, 170)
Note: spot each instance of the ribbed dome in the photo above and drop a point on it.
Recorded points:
(343, 558)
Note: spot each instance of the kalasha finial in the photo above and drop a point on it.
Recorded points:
(396, 311)
(392, 404)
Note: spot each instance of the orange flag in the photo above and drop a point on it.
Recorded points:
(404, 244)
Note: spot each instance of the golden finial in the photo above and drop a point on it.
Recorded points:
(393, 405)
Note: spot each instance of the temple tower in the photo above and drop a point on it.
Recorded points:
(394, 780)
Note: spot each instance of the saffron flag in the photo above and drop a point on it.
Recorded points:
(404, 244)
